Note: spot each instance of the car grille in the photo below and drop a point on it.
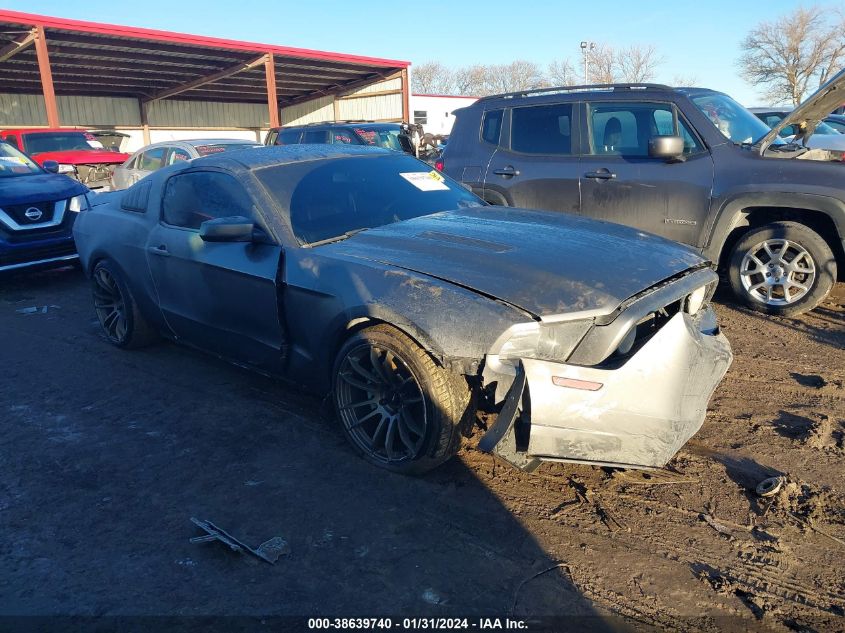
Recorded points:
(18, 212)
(37, 253)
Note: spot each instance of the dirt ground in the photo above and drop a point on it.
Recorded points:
(106, 455)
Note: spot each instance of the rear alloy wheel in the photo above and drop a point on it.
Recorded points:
(783, 268)
(122, 323)
(397, 407)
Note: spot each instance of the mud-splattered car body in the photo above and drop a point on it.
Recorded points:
(592, 341)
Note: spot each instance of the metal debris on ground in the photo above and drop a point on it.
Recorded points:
(269, 551)
(652, 477)
(36, 309)
(721, 529)
(770, 487)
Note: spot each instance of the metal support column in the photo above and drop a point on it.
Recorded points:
(272, 96)
(46, 77)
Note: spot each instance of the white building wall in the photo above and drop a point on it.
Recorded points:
(434, 112)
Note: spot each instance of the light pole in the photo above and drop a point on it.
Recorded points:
(585, 46)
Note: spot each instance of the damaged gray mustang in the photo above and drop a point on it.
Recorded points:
(362, 272)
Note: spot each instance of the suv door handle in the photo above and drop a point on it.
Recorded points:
(600, 174)
(161, 249)
(506, 172)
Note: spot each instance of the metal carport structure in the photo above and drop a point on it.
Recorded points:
(56, 56)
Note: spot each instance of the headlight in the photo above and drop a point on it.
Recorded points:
(543, 341)
(696, 299)
(77, 203)
(66, 169)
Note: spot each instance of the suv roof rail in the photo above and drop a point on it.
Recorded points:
(566, 89)
(340, 121)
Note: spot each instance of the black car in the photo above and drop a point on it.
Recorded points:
(689, 164)
(365, 273)
(395, 136)
(37, 211)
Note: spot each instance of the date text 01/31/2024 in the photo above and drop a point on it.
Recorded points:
(417, 624)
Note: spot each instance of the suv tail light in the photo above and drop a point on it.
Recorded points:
(438, 164)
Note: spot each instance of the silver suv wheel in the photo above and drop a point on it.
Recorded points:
(777, 272)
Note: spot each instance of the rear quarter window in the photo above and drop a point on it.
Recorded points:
(491, 126)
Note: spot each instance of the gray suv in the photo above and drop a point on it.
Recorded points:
(689, 164)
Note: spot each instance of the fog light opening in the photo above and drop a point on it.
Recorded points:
(574, 383)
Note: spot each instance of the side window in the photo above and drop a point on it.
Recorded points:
(152, 159)
(176, 155)
(320, 137)
(491, 126)
(542, 129)
(421, 117)
(624, 129)
(343, 137)
(288, 137)
(191, 199)
(272, 135)
(12, 140)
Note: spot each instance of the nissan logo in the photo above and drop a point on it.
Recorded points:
(33, 214)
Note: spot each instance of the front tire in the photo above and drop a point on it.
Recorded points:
(398, 408)
(123, 324)
(783, 268)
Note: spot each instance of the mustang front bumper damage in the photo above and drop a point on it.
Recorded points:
(636, 415)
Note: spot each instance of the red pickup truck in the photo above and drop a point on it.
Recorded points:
(79, 154)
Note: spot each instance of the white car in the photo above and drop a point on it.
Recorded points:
(824, 136)
(152, 157)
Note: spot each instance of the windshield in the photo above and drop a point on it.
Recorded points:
(328, 199)
(734, 121)
(216, 148)
(388, 138)
(59, 142)
(15, 163)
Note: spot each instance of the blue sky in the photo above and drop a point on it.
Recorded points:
(696, 39)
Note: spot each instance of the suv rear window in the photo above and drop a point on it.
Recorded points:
(542, 129)
(491, 127)
(288, 137)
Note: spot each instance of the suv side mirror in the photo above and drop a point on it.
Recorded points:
(51, 166)
(666, 147)
(232, 229)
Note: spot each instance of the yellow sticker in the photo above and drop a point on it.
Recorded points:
(435, 175)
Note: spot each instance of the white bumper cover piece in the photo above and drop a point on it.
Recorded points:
(644, 411)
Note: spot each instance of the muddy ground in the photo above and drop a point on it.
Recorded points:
(106, 455)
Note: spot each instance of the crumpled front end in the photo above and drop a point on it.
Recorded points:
(634, 410)
(639, 414)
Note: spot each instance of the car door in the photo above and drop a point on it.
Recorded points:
(537, 165)
(621, 183)
(218, 296)
(468, 161)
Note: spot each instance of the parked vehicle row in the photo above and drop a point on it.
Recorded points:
(688, 164)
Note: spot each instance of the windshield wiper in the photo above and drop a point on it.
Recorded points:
(336, 238)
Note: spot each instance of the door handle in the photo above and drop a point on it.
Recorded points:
(506, 172)
(601, 174)
(161, 249)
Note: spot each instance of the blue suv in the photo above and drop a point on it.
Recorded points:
(37, 210)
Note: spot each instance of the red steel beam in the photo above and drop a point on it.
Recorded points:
(46, 77)
(208, 79)
(272, 96)
(17, 45)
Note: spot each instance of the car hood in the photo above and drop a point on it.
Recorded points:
(541, 262)
(38, 188)
(809, 113)
(82, 157)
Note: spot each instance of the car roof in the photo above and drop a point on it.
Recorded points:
(268, 156)
(369, 124)
(216, 141)
(577, 92)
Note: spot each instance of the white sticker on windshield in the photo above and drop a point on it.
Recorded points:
(425, 181)
(96, 144)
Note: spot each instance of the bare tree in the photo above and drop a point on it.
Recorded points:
(518, 75)
(561, 73)
(684, 80)
(630, 64)
(637, 64)
(469, 80)
(797, 51)
(431, 78)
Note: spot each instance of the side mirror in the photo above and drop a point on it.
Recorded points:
(666, 147)
(51, 166)
(232, 229)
